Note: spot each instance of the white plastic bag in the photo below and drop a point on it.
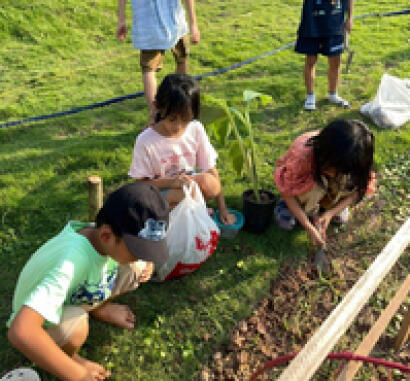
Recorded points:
(391, 106)
(192, 235)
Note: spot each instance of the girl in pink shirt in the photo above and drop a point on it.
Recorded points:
(176, 149)
(321, 174)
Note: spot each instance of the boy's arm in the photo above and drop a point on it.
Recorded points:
(28, 336)
(193, 26)
(349, 20)
(303, 219)
(122, 26)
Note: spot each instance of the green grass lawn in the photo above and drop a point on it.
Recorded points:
(56, 56)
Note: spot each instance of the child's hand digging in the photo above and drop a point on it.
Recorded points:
(322, 222)
(226, 217)
(315, 237)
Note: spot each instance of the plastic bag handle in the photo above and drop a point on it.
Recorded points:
(193, 188)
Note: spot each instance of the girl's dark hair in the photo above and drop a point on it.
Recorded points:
(178, 94)
(346, 145)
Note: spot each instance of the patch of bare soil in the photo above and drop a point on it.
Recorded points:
(300, 300)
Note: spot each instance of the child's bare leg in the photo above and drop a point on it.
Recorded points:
(174, 197)
(310, 73)
(116, 314)
(334, 73)
(73, 345)
(150, 89)
(77, 338)
(182, 67)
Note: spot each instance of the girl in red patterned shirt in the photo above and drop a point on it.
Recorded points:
(321, 174)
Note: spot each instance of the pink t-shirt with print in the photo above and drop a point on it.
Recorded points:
(157, 156)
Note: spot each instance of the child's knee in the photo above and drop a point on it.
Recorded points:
(210, 185)
(72, 331)
(77, 338)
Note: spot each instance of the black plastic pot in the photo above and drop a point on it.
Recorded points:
(257, 214)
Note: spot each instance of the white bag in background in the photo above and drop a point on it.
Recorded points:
(391, 106)
(192, 235)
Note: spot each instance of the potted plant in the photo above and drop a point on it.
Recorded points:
(235, 122)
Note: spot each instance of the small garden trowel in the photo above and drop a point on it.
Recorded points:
(320, 263)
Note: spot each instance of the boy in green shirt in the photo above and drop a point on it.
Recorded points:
(79, 272)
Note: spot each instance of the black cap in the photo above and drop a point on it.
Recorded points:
(141, 213)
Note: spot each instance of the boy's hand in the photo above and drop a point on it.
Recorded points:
(95, 372)
(122, 31)
(147, 272)
(195, 35)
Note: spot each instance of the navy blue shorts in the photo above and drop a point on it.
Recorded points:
(328, 46)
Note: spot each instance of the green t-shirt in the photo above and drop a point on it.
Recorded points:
(66, 270)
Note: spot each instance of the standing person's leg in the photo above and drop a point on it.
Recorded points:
(309, 47)
(310, 74)
(181, 55)
(150, 89)
(151, 62)
(333, 73)
(333, 48)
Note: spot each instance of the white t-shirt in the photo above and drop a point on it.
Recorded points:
(157, 24)
(157, 156)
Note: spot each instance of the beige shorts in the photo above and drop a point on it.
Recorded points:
(73, 316)
(152, 60)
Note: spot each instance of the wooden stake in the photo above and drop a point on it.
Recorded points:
(351, 368)
(95, 196)
(309, 359)
(404, 331)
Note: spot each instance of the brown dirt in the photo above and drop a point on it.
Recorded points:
(299, 302)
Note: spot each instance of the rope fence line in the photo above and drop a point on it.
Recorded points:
(199, 77)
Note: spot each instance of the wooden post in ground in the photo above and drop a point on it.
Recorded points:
(352, 367)
(95, 196)
(404, 330)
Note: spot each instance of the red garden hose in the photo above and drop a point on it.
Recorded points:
(334, 356)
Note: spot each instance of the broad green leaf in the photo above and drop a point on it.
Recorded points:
(210, 113)
(265, 99)
(236, 157)
(242, 127)
(210, 100)
(247, 142)
(250, 95)
(221, 129)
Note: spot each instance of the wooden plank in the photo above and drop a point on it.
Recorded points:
(404, 331)
(375, 332)
(95, 196)
(309, 359)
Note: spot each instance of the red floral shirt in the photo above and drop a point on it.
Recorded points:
(294, 174)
